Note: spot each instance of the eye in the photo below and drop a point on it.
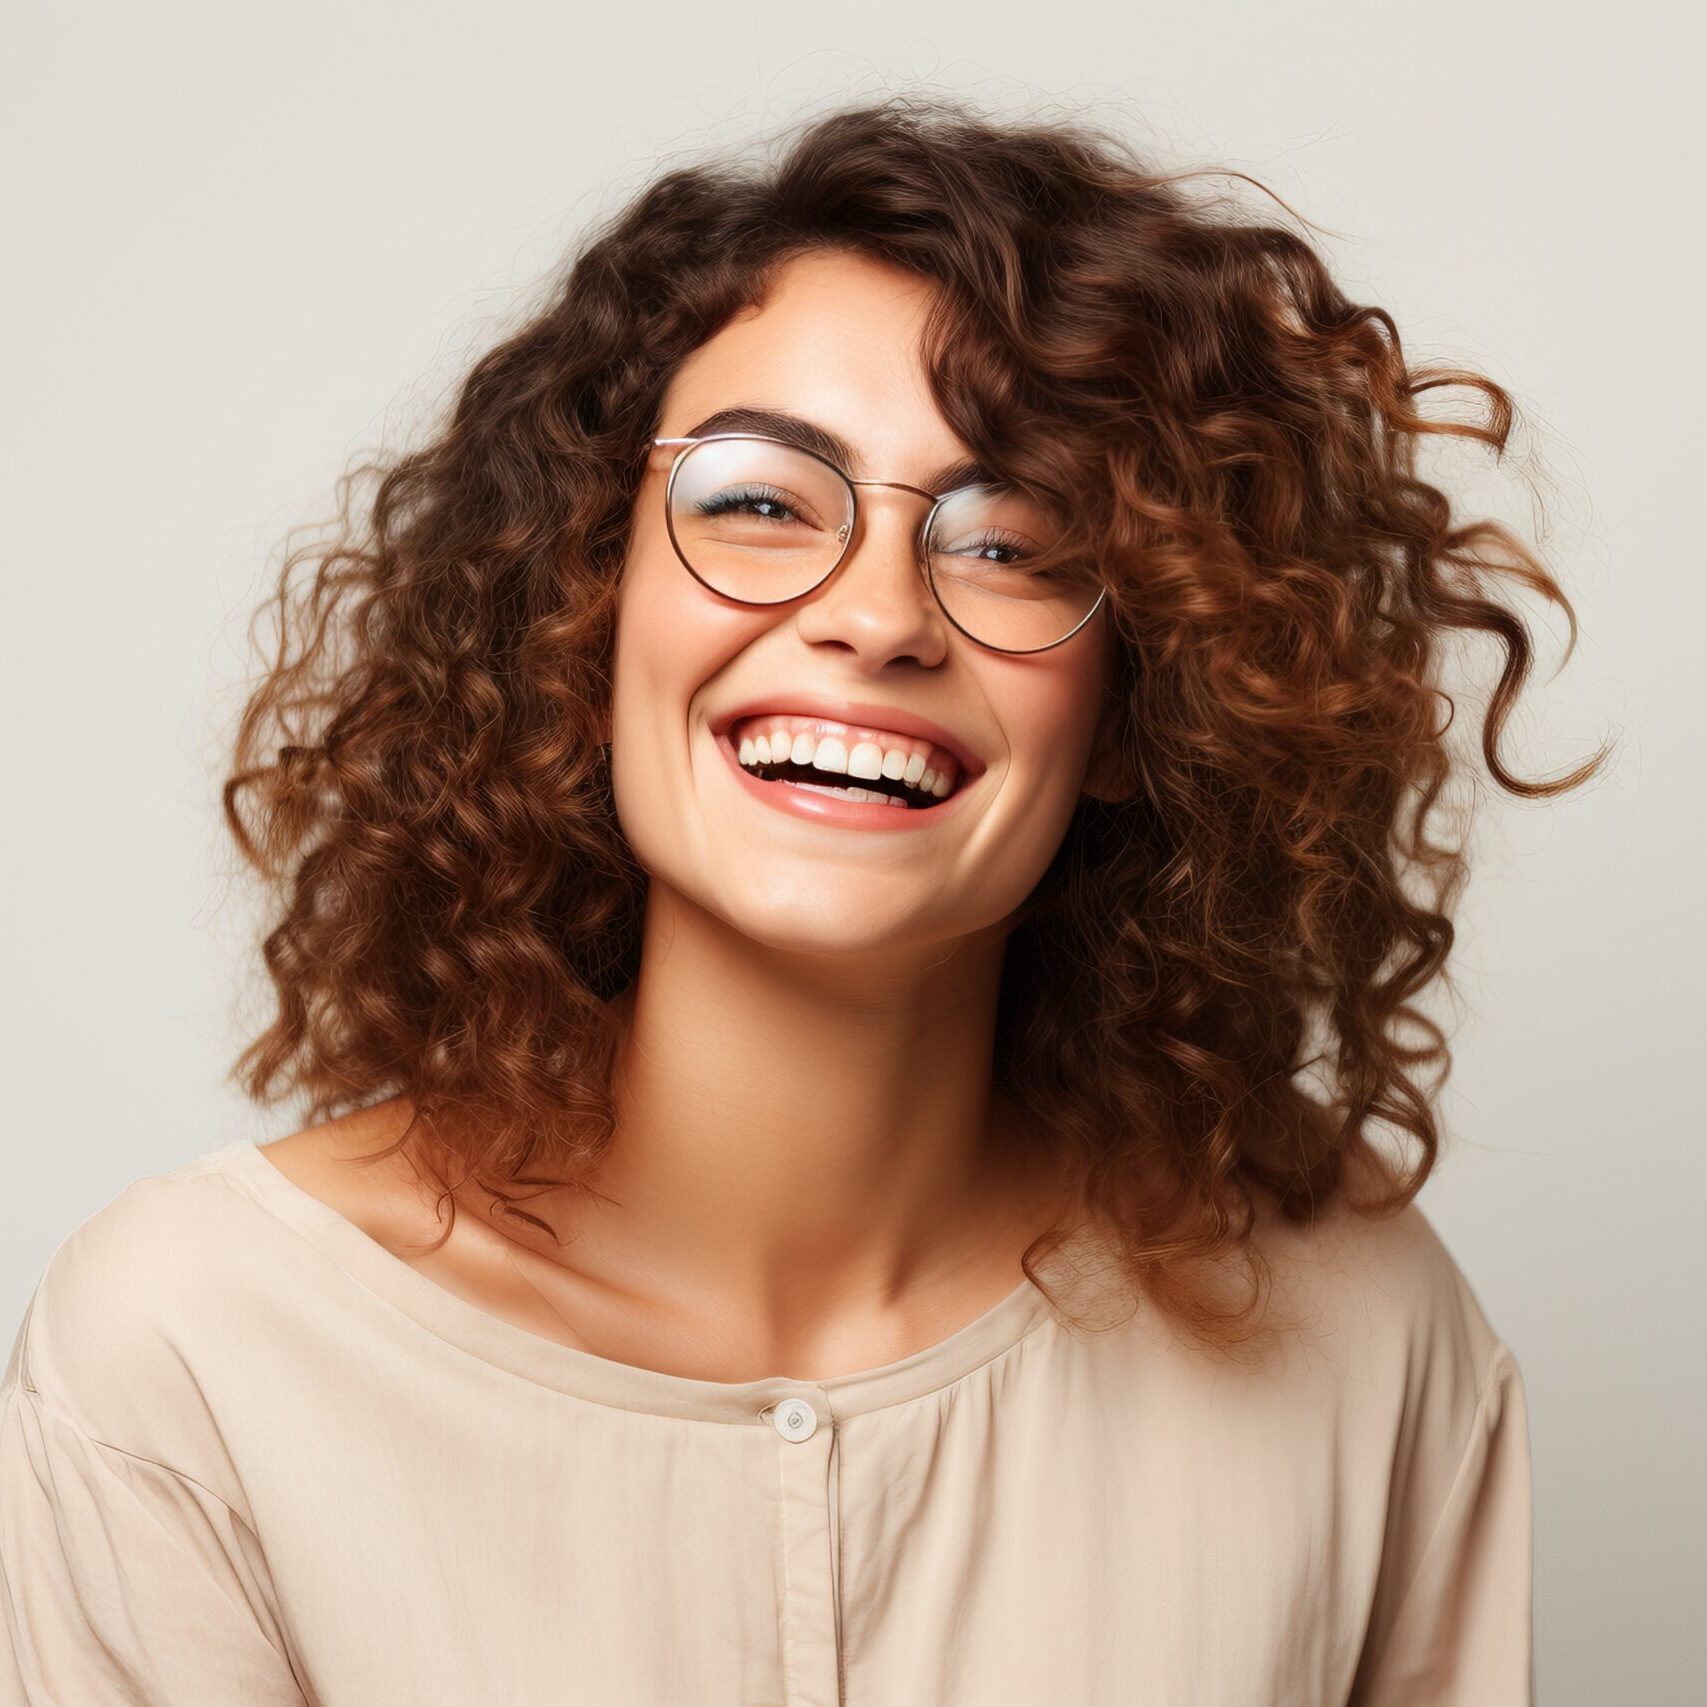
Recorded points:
(765, 502)
(1001, 542)
(1013, 551)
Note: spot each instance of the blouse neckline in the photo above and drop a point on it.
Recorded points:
(602, 1380)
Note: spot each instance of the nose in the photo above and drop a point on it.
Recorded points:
(878, 600)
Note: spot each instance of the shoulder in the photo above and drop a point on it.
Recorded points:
(129, 1279)
(188, 1266)
(1382, 1303)
(156, 1308)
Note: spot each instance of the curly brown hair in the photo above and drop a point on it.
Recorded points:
(1236, 442)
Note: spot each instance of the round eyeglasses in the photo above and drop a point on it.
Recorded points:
(763, 521)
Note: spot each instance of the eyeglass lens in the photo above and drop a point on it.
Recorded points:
(763, 522)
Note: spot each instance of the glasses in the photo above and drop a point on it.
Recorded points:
(763, 521)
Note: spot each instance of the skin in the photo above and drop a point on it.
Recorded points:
(811, 1174)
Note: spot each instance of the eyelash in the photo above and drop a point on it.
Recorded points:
(735, 498)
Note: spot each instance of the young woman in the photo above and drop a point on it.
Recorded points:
(848, 835)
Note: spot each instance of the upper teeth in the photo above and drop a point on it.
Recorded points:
(770, 740)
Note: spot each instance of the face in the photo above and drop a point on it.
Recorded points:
(836, 342)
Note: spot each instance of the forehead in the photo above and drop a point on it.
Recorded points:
(836, 343)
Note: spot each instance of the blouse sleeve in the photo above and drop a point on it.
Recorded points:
(1458, 1629)
(122, 1581)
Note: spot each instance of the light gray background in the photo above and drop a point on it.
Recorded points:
(246, 244)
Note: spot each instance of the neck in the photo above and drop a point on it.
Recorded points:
(801, 1139)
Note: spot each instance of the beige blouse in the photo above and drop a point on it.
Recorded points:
(250, 1456)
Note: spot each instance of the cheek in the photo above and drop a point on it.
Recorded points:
(672, 639)
(655, 634)
(1050, 708)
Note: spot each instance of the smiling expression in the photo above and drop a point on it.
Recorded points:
(865, 670)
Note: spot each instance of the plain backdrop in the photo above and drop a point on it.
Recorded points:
(245, 245)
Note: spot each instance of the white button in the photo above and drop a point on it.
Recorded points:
(794, 1419)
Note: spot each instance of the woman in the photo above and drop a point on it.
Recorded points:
(824, 823)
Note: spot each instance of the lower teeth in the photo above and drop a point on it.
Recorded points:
(868, 795)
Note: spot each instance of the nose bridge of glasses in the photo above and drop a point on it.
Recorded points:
(917, 523)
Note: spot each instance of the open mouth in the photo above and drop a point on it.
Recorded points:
(830, 790)
(894, 792)
(899, 768)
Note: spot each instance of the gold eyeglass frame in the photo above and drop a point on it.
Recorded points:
(845, 533)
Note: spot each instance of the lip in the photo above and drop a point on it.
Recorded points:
(825, 808)
(866, 712)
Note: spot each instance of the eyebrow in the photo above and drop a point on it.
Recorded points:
(809, 435)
